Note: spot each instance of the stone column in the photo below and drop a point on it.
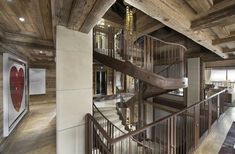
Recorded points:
(73, 88)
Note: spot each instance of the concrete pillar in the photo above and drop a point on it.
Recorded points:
(193, 93)
(73, 88)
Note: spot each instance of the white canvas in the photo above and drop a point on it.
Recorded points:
(37, 81)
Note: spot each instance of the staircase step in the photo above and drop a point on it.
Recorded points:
(105, 113)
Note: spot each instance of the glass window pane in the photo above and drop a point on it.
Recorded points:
(231, 75)
(218, 75)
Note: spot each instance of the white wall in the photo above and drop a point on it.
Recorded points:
(73, 88)
(193, 93)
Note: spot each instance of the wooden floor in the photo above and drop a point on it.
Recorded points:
(214, 141)
(36, 134)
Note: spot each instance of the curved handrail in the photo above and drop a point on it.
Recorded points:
(126, 135)
(106, 135)
(144, 34)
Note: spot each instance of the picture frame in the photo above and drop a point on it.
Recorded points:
(15, 91)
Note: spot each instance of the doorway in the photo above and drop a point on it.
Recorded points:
(101, 78)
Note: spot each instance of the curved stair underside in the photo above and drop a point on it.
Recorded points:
(141, 74)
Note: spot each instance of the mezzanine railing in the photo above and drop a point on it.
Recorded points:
(178, 133)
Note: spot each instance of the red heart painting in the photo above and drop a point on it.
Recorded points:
(16, 86)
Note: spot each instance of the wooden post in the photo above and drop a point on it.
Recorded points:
(140, 105)
(172, 135)
(196, 124)
(89, 136)
(209, 114)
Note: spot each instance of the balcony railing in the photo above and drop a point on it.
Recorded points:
(178, 133)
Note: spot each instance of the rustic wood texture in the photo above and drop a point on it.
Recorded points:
(37, 14)
(145, 24)
(183, 16)
(219, 17)
(35, 33)
(81, 15)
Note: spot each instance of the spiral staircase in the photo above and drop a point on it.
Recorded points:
(158, 65)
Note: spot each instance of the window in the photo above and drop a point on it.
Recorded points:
(218, 75)
(231, 75)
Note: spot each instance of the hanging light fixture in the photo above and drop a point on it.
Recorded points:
(129, 20)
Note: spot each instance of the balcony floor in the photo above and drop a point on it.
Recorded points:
(35, 134)
(215, 139)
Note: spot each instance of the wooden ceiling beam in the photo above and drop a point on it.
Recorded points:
(176, 19)
(224, 16)
(27, 41)
(4, 48)
(79, 11)
(85, 14)
(200, 6)
(96, 13)
(221, 63)
(113, 17)
(227, 50)
(220, 41)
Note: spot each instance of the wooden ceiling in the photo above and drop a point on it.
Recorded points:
(33, 37)
(210, 23)
(28, 26)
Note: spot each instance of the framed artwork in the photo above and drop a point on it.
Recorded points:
(15, 92)
(37, 81)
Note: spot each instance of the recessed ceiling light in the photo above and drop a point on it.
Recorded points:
(40, 51)
(108, 25)
(22, 19)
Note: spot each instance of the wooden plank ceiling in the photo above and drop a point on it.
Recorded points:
(210, 23)
(33, 37)
(28, 26)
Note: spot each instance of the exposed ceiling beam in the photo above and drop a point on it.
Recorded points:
(227, 50)
(200, 6)
(221, 4)
(220, 41)
(96, 13)
(79, 11)
(224, 16)
(173, 18)
(27, 41)
(145, 24)
(221, 63)
(85, 14)
(4, 48)
(113, 17)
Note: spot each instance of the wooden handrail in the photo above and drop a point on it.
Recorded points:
(144, 34)
(132, 133)
(106, 118)
(107, 137)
